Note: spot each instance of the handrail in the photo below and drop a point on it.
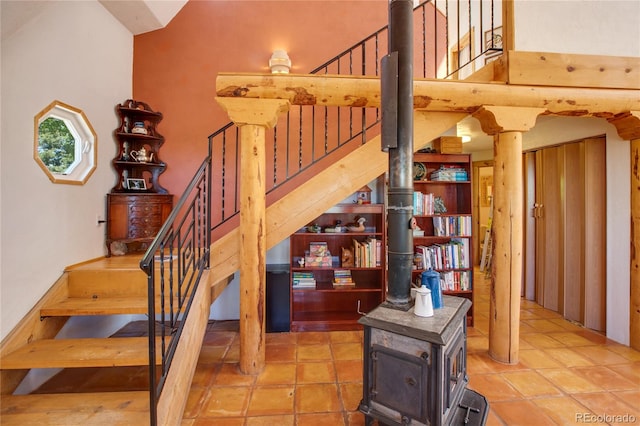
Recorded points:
(182, 246)
(174, 263)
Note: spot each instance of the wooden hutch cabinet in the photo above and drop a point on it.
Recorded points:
(137, 205)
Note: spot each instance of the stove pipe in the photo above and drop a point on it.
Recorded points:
(400, 193)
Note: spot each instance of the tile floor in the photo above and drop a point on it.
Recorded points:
(566, 375)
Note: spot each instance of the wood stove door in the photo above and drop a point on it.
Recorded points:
(455, 380)
(400, 382)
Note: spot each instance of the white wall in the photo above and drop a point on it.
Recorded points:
(597, 27)
(77, 53)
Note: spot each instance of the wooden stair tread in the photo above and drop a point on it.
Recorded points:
(72, 353)
(102, 408)
(98, 306)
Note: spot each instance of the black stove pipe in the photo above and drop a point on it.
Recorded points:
(400, 193)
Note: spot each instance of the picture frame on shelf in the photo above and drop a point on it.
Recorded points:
(136, 184)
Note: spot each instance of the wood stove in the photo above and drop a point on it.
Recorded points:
(415, 370)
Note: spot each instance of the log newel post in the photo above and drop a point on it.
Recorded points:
(507, 125)
(253, 117)
(628, 126)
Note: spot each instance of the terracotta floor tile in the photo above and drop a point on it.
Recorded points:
(520, 413)
(271, 400)
(280, 353)
(569, 381)
(563, 410)
(486, 364)
(625, 351)
(482, 325)
(536, 358)
(631, 398)
(567, 325)
(322, 419)
(205, 421)
(314, 353)
(568, 357)
(233, 354)
(219, 338)
(230, 375)
(607, 378)
(594, 336)
(212, 354)
(477, 344)
(351, 395)
(317, 398)
(530, 384)
(571, 339)
(204, 374)
(195, 401)
(344, 351)
(226, 401)
(280, 420)
(349, 371)
(493, 419)
(281, 338)
(355, 419)
(277, 373)
(601, 355)
(313, 338)
(354, 336)
(493, 387)
(315, 372)
(631, 370)
(606, 403)
(541, 341)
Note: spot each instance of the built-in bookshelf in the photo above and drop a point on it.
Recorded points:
(442, 209)
(338, 267)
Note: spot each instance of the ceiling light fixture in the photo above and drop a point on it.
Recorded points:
(279, 63)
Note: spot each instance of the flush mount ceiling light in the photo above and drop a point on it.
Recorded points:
(279, 63)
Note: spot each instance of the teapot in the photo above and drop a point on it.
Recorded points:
(424, 305)
(141, 155)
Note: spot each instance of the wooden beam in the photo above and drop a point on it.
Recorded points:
(429, 95)
(561, 69)
(627, 124)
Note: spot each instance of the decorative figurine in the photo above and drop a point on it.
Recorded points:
(438, 206)
(358, 226)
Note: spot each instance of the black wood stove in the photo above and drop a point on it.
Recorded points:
(415, 370)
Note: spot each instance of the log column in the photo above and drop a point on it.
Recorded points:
(506, 124)
(253, 117)
(628, 127)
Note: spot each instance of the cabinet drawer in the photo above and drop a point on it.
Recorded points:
(143, 231)
(145, 209)
(154, 220)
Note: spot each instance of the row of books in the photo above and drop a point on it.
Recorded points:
(303, 280)
(454, 254)
(423, 203)
(367, 253)
(445, 173)
(455, 280)
(447, 226)
(342, 278)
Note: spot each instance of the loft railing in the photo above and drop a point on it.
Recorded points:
(446, 35)
(174, 264)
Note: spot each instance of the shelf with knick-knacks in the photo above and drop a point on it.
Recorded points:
(137, 162)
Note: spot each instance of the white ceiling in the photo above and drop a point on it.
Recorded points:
(138, 16)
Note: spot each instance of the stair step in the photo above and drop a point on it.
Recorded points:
(104, 408)
(74, 353)
(98, 306)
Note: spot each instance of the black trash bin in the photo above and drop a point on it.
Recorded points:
(278, 298)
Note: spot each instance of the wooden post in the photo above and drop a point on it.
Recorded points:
(253, 118)
(628, 127)
(507, 125)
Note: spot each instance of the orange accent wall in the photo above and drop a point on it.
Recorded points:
(174, 69)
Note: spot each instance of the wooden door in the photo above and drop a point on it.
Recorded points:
(570, 230)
